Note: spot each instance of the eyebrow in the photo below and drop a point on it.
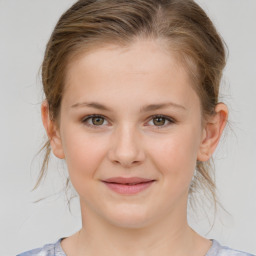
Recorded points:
(146, 108)
(152, 107)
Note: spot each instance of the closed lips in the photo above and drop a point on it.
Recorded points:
(128, 186)
(127, 181)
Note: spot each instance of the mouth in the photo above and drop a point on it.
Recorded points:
(128, 186)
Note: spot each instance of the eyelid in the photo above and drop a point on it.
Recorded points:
(86, 118)
(168, 118)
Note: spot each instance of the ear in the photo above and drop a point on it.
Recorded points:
(52, 131)
(212, 132)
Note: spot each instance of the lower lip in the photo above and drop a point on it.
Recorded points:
(128, 189)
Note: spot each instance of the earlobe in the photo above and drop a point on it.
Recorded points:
(212, 132)
(52, 131)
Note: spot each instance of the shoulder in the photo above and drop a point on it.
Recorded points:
(47, 250)
(219, 250)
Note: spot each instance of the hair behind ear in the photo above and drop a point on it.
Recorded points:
(212, 131)
(52, 131)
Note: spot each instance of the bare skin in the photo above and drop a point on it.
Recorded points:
(130, 139)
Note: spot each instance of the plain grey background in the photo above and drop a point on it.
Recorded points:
(25, 26)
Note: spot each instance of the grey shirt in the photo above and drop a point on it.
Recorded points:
(56, 250)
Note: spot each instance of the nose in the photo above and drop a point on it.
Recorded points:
(126, 147)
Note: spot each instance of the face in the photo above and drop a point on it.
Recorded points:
(130, 113)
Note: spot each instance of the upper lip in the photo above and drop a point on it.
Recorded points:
(123, 180)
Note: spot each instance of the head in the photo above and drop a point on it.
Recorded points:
(178, 30)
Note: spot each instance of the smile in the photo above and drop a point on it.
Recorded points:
(128, 186)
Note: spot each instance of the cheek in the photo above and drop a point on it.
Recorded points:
(83, 154)
(175, 156)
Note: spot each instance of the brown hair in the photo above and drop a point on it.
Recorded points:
(181, 23)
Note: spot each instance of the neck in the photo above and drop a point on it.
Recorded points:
(170, 235)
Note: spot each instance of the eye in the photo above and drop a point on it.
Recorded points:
(161, 121)
(94, 120)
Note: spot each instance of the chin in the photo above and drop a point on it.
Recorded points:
(131, 223)
(129, 218)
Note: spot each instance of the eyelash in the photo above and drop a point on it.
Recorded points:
(166, 118)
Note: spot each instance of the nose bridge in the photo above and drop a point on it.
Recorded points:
(126, 145)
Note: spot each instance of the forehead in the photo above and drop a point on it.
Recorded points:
(143, 67)
(139, 57)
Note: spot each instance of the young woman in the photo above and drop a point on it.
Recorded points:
(131, 104)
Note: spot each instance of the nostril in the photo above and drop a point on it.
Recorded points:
(126, 153)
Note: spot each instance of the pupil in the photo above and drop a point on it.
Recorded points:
(97, 120)
(159, 121)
